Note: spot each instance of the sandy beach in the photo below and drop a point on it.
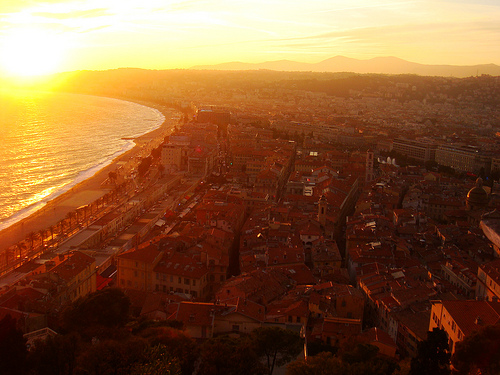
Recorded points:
(85, 192)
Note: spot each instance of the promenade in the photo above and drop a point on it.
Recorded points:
(59, 218)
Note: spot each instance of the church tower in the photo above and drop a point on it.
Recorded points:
(369, 167)
(322, 206)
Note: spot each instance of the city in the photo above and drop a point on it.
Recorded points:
(345, 208)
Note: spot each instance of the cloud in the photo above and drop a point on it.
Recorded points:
(90, 13)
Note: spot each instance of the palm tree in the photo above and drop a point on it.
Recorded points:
(41, 232)
(68, 218)
(51, 228)
(112, 177)
(20, 247)
(31, 237)
(61, 224)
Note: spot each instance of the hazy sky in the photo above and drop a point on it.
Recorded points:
(163, 34)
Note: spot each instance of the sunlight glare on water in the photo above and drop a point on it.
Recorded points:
(50, 139)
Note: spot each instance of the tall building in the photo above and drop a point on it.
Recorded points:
(214, 115)
(463, 158)
(419, 150)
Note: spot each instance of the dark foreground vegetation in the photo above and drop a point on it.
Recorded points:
(98, 337)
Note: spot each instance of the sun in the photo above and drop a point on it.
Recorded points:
(27, 52)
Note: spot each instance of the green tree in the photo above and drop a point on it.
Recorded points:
(13, 350)
(479, 353)
(276, 345)
(433, 356)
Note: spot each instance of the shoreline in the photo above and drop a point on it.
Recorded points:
(86, 191)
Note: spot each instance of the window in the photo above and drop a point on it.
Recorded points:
(194, 282)
(290, 319)
(186, 281)
(236, 327)
(180, 280)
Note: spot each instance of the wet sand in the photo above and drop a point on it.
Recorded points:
(85, 192)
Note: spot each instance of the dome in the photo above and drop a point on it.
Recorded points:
(477, 196)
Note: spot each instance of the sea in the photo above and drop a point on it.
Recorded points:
(49, 142)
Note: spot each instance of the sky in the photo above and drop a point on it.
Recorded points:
(38, 37)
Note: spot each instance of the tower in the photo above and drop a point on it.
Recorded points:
(369, 167)
(322, 206)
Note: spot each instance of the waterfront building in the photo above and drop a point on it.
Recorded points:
(174, 157)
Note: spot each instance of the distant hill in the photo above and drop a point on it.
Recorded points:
(383, 65)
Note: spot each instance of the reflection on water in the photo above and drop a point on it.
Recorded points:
(49, 140)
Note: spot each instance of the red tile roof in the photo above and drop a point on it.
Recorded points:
(181, 265)
(146, 254)
(465, 314)
(72, 266)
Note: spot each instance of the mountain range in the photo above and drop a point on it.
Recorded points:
(380, 65)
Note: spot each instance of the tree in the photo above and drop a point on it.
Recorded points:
(321, 364)
(144, 166)
(433, 356)
(156, 152)
(112, 177)
(56, 355)
(479, 352)
(52, 229)
(180, 347)
(112, 357)
(364, 359)
(158, 361)
(276, 345)
(225, 355)
(41, 233)
(161, 169)
(32, 236)
(108, 308)
(13, 350)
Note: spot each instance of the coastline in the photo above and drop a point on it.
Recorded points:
(84, 192)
